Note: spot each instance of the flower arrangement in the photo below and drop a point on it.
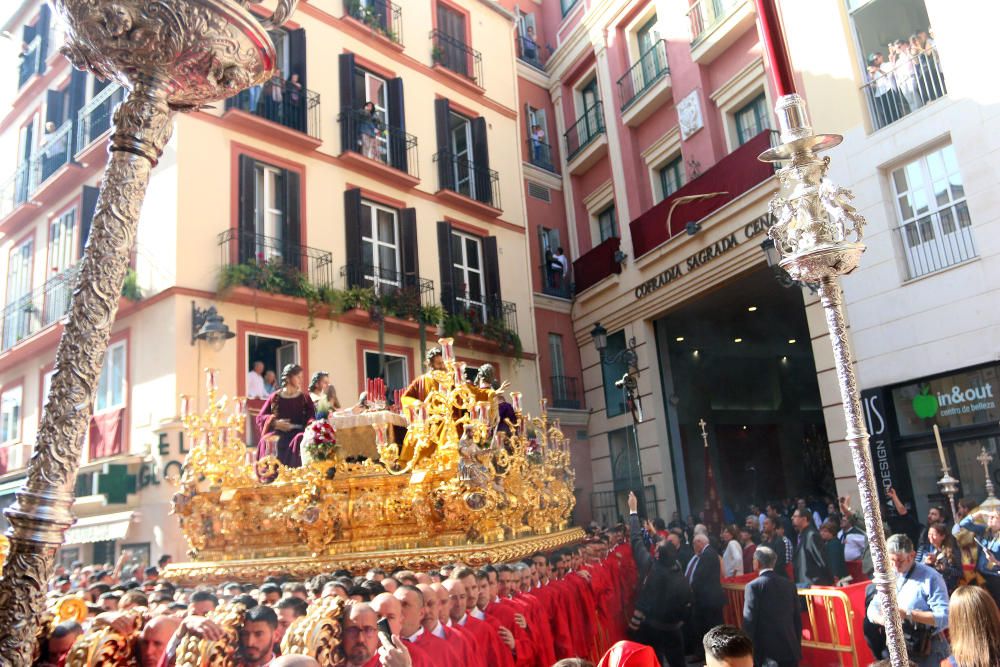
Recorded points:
(321, 440)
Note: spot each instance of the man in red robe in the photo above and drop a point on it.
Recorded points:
(414, 612)
(458, 637)
(537, 624)
(512, 634)
(389, 608)
(463, 590)
(562, 637)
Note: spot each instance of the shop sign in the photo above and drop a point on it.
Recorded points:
(703, 256)
(880, 440)
(966, 398)
(169, 465)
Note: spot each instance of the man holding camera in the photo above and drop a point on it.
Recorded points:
(923, 604)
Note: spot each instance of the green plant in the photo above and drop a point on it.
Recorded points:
(130, 288)
(437, 55)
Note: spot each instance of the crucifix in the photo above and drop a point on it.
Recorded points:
(984, 460)
(704, 434)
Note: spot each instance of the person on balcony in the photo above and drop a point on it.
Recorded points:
(886, 98)
(270, 382)
(905, 70)
(255, 381)
(529, 46)
(369, 127)
(295, 110)
(284, 417)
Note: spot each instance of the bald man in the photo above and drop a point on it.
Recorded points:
(391, 609)
(457, 636)
(463, 590)
(360, 636)
(453, 644)
(154, 638)
(417, 612)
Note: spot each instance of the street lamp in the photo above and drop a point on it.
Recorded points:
(774, 263)
(629, 384)
(209, 326)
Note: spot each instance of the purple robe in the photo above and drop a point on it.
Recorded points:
(299, 411)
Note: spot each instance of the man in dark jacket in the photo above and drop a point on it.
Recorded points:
(664, 597)
(771, 614)
(809, 559)
(706, 584)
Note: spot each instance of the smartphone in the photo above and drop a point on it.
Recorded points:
(385, 632)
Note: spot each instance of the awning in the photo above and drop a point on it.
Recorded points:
(100, 528)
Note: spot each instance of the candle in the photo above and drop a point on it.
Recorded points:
(447, 349)
(482, 411)
(185, 406)
(515, 400)
(211, 380)
(239, 406)
(545, 406)
(937, 437)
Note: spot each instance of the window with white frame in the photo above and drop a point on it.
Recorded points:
(467, 274)
(61, 253)
(462, 151)
(269, 209)
(395, 370)
(372, 88)
(380, 243)
(10, 415)
(935, 226)
(751, 119)
(607, 224)
(671, 177)
(111, 385)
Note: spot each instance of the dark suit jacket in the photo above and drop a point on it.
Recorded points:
(706, 582)
(809, 559)
(772, 618)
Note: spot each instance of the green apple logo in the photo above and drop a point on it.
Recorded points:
(925, 405)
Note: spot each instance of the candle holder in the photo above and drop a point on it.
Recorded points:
(515, 401)
(948, 485)
(447, 349)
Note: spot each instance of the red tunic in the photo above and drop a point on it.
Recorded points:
(485, 633)
(464, 644)
(538, 625)
(443, 653)
(562, 638)
(523, 646)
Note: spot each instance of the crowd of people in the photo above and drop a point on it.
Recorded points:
(644, 592)
(909, 77)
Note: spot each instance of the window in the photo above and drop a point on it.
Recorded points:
(19, 310)
(467, 274)
(751, 119)
(462, 151)
(10, 415)
(274, 353)
(566, 5)
(556, 354)
(614, 397)
(623, 448)
(538, 138)
(380, 244)
(111, 385)
(395, 372)
(607, 225)
(671, 177)
(61, 253)
(589, 95)
(269, 210)
(935, 226)
(371, 88)
(452, 44)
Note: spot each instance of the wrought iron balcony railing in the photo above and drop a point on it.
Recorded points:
(32, 61)
(16, 190)
(531, 52)
(706, 14)
(56, 151)
(26, 315)
(586, 129)
(381, 16)
(94, 119)
(457, 56)
(469, 179)
(372, 138)
(399, 294)
(540, 155)
(650, 68)
(564, 393)
(898, 90)
(937, 240)
(281, 102)
(272, 264)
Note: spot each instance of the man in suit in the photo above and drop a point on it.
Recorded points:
(703, 573)
(771, 614)
(811, 568)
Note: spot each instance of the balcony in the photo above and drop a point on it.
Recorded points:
(585, 139)
(283, 103)
(378, 144)
(381, 16)
(456, 56)
(94, 119)
(716, 25)
(554, 283)
(733, 175)
(29, 314)
(539, 154)
(937, 240)
(597, 264)
(395, 293)
(564, 392)
(272, 264)
(32, 62)
(471, 183)
(645, 86)
(896, 92)
(530, 51)
(55, 152)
